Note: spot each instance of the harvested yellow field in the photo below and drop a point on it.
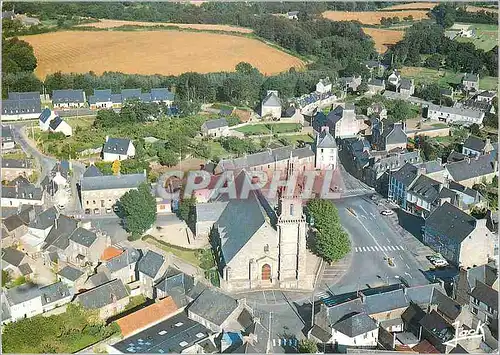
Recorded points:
(413, 5)
(153, 52)
(477, 9)
(103, 23)
(383, 38)
(372, 17)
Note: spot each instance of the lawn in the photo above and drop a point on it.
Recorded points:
(189, 255)
(444, 77)
(269, 128)
(216, 150)
(300, 138)
(83, 122)
(486, 36)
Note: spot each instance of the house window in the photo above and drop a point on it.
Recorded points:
(476, 301)
(474, 310)
(365, 336)
(93, 202)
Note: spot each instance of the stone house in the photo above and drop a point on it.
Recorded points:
(424, 195)
(376, 86)
(67, 99)
(100, 193)
(86, 246)
(474, 146)
(463, 240)
(342, 121)
(108, 299)
(150, 268)
(484, 304)
(350, 83)
(271, 105)
(470, 82)
(7, 138)
(16, 225)
(12, 259)
(73, 277)
(394, 137)
(123, 266)
(326, 150)
(215, 128)
(40, 227)
(12, 168)
(215, 310)
(407, 87)
(471, 171)
(454, 115)
(175, 284)
(466, 279)
(20, 192)
(117, 149)
(55, 247)
(399, 181)
(292, 114)
(21, 106)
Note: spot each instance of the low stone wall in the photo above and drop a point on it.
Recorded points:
(430, 132)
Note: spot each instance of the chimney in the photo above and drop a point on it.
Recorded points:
(242, 302)
(325, 129)
(440, 161)
(361, 296)
(56, 223)
(31, 214)
(495, 165)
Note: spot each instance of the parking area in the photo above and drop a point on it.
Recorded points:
(273, 297)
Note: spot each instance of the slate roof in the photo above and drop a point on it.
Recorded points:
(131, 94)
(13, 222)
(107, 182)
(406, 174)
(55, 122)
(238, 223)
(45, 115)
(271, 100)
(196, 291)
(7, 133)
(474, 143)
(213, 124)
(446, 305)
(129, 256)
(150, 264)
(437, 325)
(68, 96)
(340, 311)
(22, 293)
(326, 140)
(59, 237)
(25, 269)
(12, 256)
(21, 188)
(406, 84)
(446, 92)
(471, 77)
(45, 219)
(450, 221)
(376, 82)
(270, 156)
(213, 306)
(455, 156)
(91, 171)
(470, 168)
(62, 167)
(97, 279)
(425, 188)
(83, 237)
(457, 111)
(17, 163)
(422, 294)
(161, 94)
(320, 333)
(355, 325)
(431, 166)
(31, 95)
(55, 292)
(116, 145)
(19, 104)
(384, 301)
(209, 212)
(395, 134)
(103, 295)
(485, 294)
(71, 273)
(103, 95)
(413, 314)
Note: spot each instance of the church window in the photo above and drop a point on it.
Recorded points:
(291, 210)
(266, 248)
(266, 272)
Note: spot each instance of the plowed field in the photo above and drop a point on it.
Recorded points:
(373, 17)
(383, 38)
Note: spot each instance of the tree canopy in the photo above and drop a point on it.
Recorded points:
(307, 346)
(138, 209)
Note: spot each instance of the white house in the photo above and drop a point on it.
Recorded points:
(326, 150)
(102, 99)
(271, 105)
(358, 330)
(455, 115)
(324, 86)
(23, 301)
(394, 79)
(118, 149)
(57, 125)
(66, 99)
(21, 106)
(45, 118)
(215, 128)
(345, 121)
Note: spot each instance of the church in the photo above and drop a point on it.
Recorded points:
(258, 246)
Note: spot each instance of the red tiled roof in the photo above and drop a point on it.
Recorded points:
(424, 347)
(110, 253)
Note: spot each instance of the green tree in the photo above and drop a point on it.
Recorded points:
(331, 242)
(186, 210)
(308, 346)
(400, 111)
(138, 209)
(5, 278)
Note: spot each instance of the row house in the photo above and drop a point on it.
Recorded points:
(21, 192)
(454, 115)
(105, 99)
(475, 146)
(8, 142)
(21, 106)
(12, 168)
(68, 99)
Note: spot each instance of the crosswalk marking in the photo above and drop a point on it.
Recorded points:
(285, 342)
(379, 248)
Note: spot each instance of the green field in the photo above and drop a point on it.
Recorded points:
(444, 77)
(273, 128)
(486, 36)
(300, 138)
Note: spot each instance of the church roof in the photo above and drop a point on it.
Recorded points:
(240, 220)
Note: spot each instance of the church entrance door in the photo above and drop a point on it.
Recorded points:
(266, 272)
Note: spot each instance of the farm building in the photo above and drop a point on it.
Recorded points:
(65, 99)
(215, 128)
(324, 86)
(118, 149)
(455, 115)
(376, 86)
(470, 82)
(21, 106)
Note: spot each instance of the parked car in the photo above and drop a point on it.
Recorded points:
(440, 262)
(387, 212)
